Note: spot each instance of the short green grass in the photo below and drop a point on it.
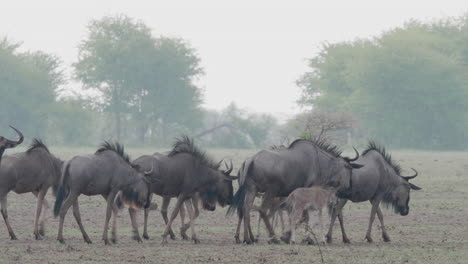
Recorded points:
(435, 231)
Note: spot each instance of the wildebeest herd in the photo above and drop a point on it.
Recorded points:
(307, 175)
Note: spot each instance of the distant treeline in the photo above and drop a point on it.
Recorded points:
(406, 88)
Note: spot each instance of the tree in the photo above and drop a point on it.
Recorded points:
(28, 85)
(148, 79)
(408, 86)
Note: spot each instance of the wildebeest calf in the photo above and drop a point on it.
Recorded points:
(307, 199)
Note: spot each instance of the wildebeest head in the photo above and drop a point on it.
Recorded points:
(137, 193)
(400, 196)
(221, 191)
(6, 143)
(342, 179)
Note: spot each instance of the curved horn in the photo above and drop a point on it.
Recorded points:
(354, 159)
(219, 163)
(230, 178)
(228, 168)
(15, 143)
(411, 177)
(147, 173)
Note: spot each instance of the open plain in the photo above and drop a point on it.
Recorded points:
(435, 231)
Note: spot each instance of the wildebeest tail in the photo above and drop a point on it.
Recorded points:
(61, 192)
(239, 198)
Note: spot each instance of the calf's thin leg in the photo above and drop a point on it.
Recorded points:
(136, 234)
(337, 211)
(188, 204)
(4, 211)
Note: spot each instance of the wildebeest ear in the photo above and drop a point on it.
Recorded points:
(414, 187)
(356, 166)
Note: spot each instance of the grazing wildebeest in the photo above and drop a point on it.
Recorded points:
(182, 173)
(32, 171)
(276, 173)
(6, 143)
(107, 173)
(379, 181)
(307, 199)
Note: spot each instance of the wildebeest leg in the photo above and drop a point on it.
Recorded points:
(72, 196)
(164, 206)
(77, 215)
(179, 203)
(145, 225)
(375, 205)
(264, 207)
(3, 203)
(259, 227)
(45, 207)
(183, 227)
(337, 211)
(109, 210)
(136, 234)
(295, 216)
(40, 200)
(248, 202)
(385, 236)
(239, 222)
(188, 204)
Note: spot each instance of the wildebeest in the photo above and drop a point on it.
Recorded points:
(107, 173)
(307, 199)
(6, 143)
(32, 171)
(379, 181)
(276, 173)
(182, 173)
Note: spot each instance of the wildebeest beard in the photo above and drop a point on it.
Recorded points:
(130, 199)
(209, 200)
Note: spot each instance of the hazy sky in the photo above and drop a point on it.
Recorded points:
(252, 51)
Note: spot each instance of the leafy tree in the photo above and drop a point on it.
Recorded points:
(140, 77)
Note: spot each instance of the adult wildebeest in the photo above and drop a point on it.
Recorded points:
(276, 173)
(379, 181)
(307, 199)
(182, 173)
(32, 171)
(6, 143)
(107, 173)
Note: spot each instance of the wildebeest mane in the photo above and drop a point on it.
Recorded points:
(278, 147)
(185, 144)
(372, 145)
(322, 144)
(37, 143)
(115, 147)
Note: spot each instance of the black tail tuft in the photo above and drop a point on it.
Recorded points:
(59, 200)
(237, 201)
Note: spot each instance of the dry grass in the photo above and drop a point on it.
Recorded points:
(435, 231)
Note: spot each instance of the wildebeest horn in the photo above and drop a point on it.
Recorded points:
(147, 173)
(231, 178)
(411, 177)
(219, 163)
(15, 143)
(354, 159)
(228, 169)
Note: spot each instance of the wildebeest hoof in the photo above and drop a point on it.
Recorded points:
(369, 239)
(237, 239)
(308, 241)
(61, 240)
(114, 240)
(172, 235)
(39, 237)
(42, 232)
(87, 240)
(106, 242)
(386, 238)
(247, 241)
(164, 240)
(273, 240)
(145, 236)
(285, 239)
(292, 242)
(346, 240)
(330, 239)
(195, 240)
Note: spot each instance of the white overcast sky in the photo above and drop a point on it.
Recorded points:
(252, 51)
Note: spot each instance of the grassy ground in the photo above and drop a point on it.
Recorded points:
(435, 231)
